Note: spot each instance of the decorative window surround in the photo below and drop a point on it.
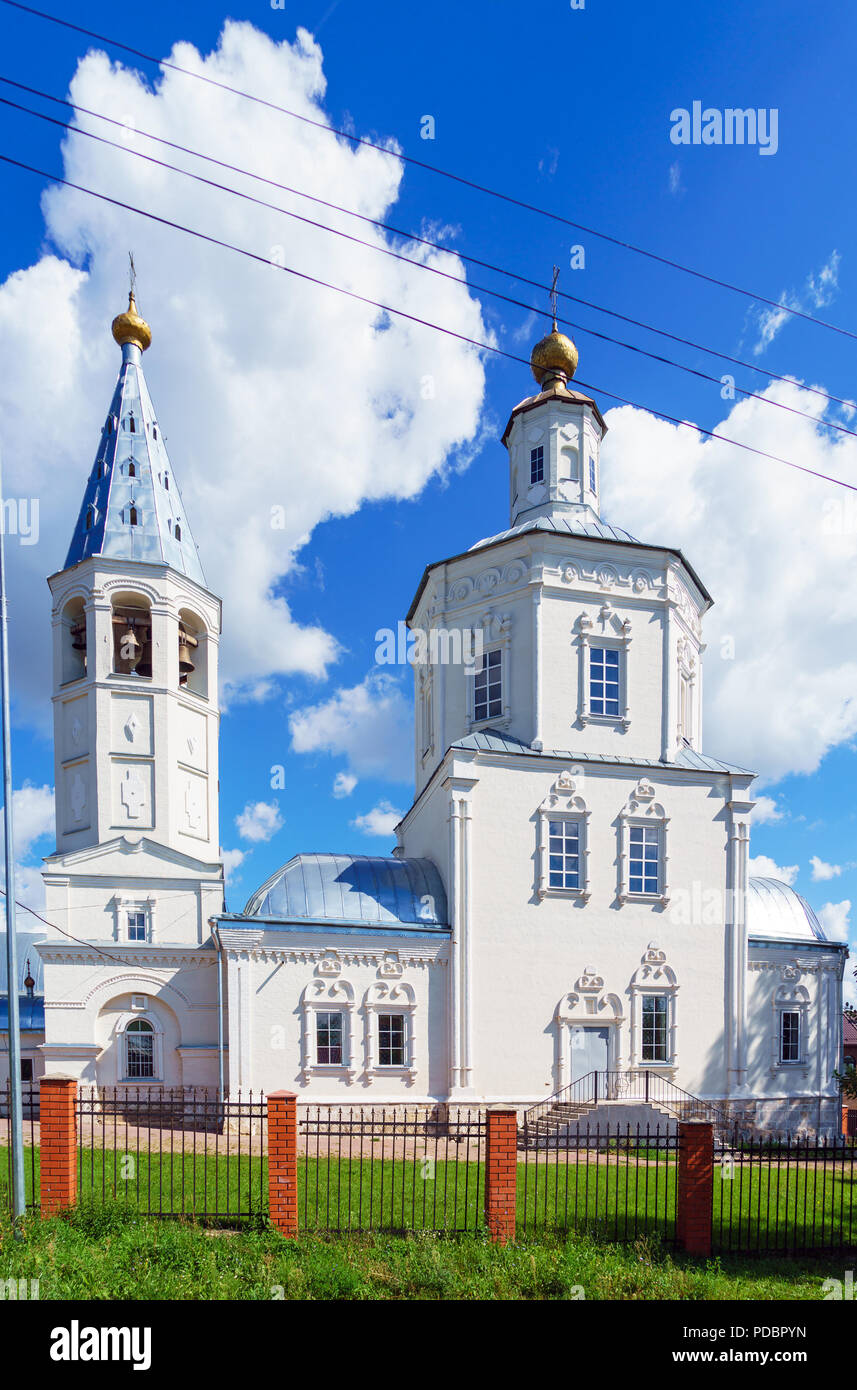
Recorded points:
(653, 976)
(791, 997)
(327, 995)
(157, 1035)
(496, 636)
(563, 803)
(389, 998)
(589, 1003)
(615, 635)
(642, 809)
(122, 908)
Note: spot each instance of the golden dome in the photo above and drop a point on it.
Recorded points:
(554, 357)
(131, 328)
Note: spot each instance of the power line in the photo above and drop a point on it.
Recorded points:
(436, 169)
(412, 318)
(422, 241)
(420, 265)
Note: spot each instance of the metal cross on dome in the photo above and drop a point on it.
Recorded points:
(553, 293)
(132, 275)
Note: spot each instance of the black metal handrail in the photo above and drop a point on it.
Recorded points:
(635, 1084)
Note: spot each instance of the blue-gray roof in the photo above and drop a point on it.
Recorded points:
(32, 1013)
(571, 525)
(354, 889)
(493, 741)
(132, 470)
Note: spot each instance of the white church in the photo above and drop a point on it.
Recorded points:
(569, 896)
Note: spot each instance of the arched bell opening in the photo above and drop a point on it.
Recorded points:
(193, 653)
(132, 636)
(73, 640)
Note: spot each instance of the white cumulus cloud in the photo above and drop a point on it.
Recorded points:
(246, 360)
(344, 784)
(381, 820)
(259, 821)
(821, 871)
(835, 919)
(232, 861)
(774, 548)
(369, 724)
(765, 811)
(763, 867)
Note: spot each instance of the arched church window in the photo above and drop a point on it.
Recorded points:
(132, 424)
(133, 517)
(193, 650)
(90, 518)
(178, 530)
(139, 1050)
(154, 431)
(166, 482)
(73, 640)
(132, 636)
(132, 470)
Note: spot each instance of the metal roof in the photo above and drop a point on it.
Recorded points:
(565, 525)
(352, 888)
(492, 741)
(775, 912)
(32, 1011)
(132, 469)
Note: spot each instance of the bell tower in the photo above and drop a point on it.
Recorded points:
(135, 646)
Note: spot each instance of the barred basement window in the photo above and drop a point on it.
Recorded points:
(391, 1040)
(654, 1028)
(328, 1039)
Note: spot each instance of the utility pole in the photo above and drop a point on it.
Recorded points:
(16, 1116)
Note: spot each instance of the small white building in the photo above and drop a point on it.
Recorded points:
(569, 895)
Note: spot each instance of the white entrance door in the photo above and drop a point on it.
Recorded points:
(589, 1050)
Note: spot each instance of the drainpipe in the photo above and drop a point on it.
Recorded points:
(215, 934)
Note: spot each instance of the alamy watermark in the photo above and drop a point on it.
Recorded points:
(732, 126)
(440, 646)
(19, 517)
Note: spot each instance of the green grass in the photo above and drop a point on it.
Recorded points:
(113, 1252)
(781, 1207)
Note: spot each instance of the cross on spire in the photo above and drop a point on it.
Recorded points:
(132, 274)
(553, 294)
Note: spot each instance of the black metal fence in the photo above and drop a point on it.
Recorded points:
(617, 1182)
(174, 1153)
(390, 1169)
(30, 1110)
(785, 1196)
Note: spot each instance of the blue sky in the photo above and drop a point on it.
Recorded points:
(568, 109)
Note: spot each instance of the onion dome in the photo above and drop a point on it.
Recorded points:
(554, 360)
(131, 328)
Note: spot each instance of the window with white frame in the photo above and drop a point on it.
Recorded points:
(537, 465)
(644, 859)
(328, 1038)
(140, 1050)
(137, 926)
(643, 862)
(564, 837)
(488, 687)
(592, 473)
(563, 849)
(605, 681)
(391, 1040)
(654, 1030)
(790, 1038)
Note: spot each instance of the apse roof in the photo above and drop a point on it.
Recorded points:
(776, 912)
(32, 1013)
(132, 470)
(355, 889)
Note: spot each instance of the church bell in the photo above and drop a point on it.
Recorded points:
(187, 642)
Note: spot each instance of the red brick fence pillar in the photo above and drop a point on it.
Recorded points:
(283, 1161)
(57, 1143)
(845, 1120)
(501, 1171)
(695, 1186)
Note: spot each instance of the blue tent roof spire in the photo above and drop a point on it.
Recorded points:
(132, 508)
